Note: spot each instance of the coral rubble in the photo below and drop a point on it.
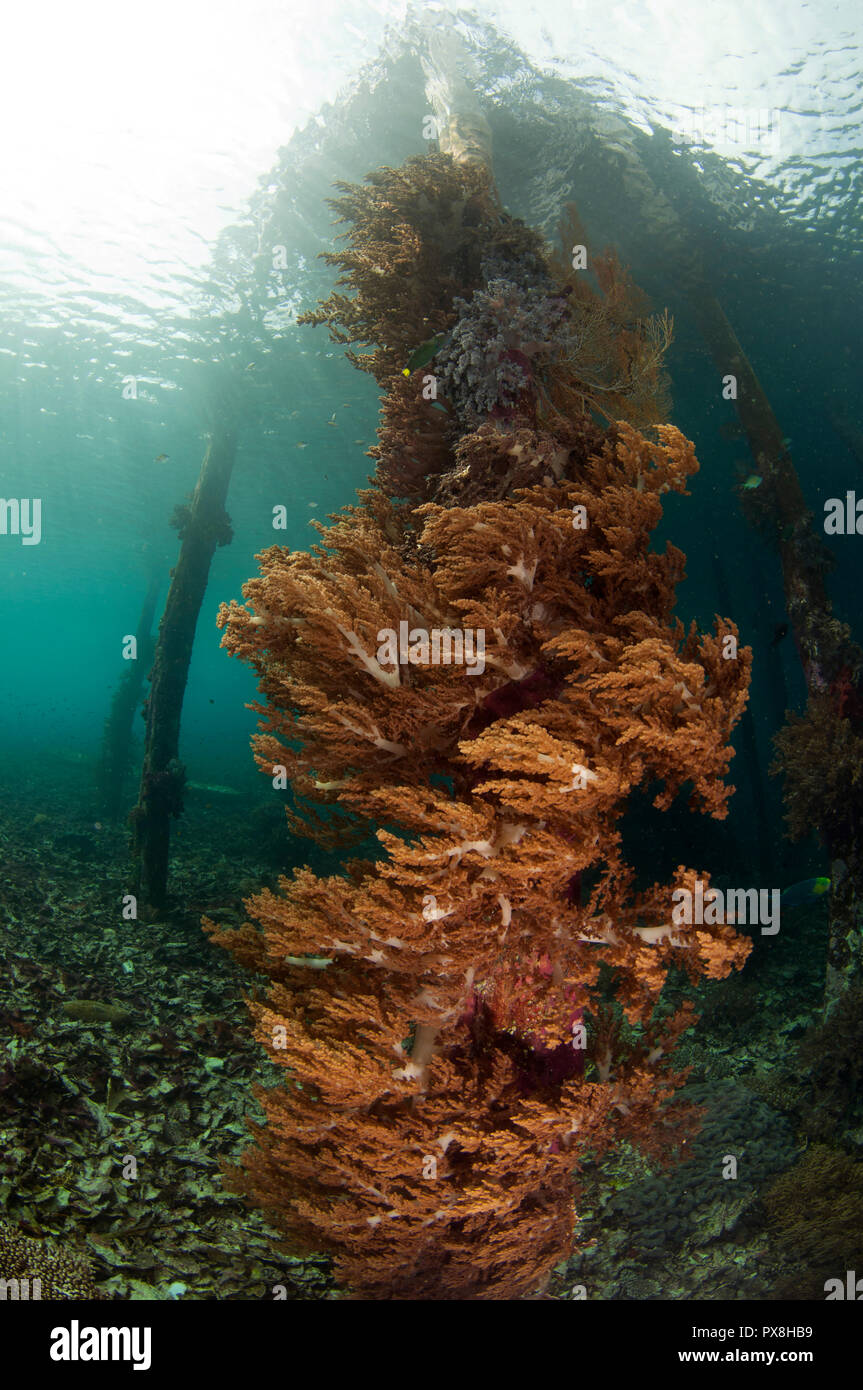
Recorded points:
(815, 1210)
(38, 1269)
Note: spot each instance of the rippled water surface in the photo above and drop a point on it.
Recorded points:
(144, 161)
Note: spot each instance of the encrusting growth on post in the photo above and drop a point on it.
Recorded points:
(203, 526)
(463, 1018)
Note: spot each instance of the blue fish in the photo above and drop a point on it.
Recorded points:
(809, 891)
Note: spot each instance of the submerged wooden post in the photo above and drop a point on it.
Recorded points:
(204, 525)
(825, 645)
(826, 649)
(116, 759)
(463, 130)
(830, 658)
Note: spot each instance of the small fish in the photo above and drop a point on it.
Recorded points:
(302, 445)
(294, 414)
(212, 787)
(96, 1011)
(808, 891)
(425, 352)
(752, 482)
(332, 421)
(780, 631)
(359, 441)
(161, 458)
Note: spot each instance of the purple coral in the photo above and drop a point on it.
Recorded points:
(487, 365)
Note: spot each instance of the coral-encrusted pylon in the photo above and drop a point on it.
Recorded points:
(429, 1129)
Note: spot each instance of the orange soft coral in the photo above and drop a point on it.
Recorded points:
(462, 1017)
(418, 1135)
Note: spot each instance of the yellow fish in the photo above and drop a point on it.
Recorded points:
(161, 458)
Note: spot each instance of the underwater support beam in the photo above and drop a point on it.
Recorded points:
(451, 88)
(824, 644)
(206, 525)
(749, 741)
(116, 760)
